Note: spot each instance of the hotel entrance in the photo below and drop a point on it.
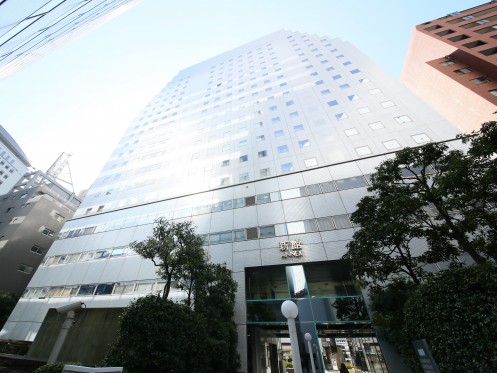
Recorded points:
(331, 310)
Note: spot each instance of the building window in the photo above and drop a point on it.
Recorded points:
(37, 250)
(341, 116)
(25, 269)
(353, 97)
(489, 52)
(244, 176)
(267, 231)
(344, 86)
(48, 232)
(304, 143)
(262, 154)
(376, 126)
(351, 132)
(493, 92)
(225, 163)
(287, 167)
(355, 71)
(325, 92)
(298, 127)
(375, 91)
(474, 44)
(462, 71)
(225, 181)
(480, 80)
(265, 172)
(278, 133)
(403, 119)
(447, 63)
(311, 162)
(242, 143)
(243, 158)
(421, 138)
(333, 103)
(458, 38)
(387, 104)
(364, 110)
(282, 149)
(259, 138)
(445, 32)
(336, 77)
(363, 150)
(391, 144)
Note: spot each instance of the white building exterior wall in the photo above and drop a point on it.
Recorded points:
(169, 163)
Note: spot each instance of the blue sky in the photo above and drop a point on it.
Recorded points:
(81, 97)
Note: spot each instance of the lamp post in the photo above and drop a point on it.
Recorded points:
(290, 310)
(308, 338)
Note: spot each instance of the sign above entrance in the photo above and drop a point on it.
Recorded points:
(291, 248)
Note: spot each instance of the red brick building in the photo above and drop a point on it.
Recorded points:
(451, 63)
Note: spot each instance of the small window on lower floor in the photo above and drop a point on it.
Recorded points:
(493, 92)
(244, 176)
(287, 167)
(37, 249)
(267, 231)
(480, 80)
(48, 232)
(265, 172)
(24, 268)
(403, 119)
(311, 162)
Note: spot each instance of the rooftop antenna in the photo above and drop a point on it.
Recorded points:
(60, 170)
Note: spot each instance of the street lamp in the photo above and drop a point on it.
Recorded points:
(290, 310)
(308, 338)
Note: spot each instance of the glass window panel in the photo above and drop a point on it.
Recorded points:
(266, 283)
(263, 198)
(296, 281)
(295, 227)
(325, 224)
(86, 290)
(328, 187)
(240, 235)
(310, 225)
(103, 289)
(293, 193)
(342, 221)
(313, 189)
(102, 254)
(351, 182)
(267, 231)
(331, 278)
(144, 287)
(280, 229)
(225, 237)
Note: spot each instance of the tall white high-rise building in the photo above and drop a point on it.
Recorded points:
(267, 148)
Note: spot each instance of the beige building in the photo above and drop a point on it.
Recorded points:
(451, 63)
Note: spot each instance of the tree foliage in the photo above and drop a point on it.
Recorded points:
(426, 205)
(176, 251)
(456, 311)
(197, 334)
(7, 303)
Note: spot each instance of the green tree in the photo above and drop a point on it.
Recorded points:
(176, 251)
(214, 299)
(456, 312)
(7, 303)
(158, 335)
(443, 200)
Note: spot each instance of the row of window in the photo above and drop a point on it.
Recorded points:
(322, 224)
(465, 70)
(327, 223)
(309, 190)
(142, 287)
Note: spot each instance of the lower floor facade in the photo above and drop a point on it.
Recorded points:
(282, 238)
